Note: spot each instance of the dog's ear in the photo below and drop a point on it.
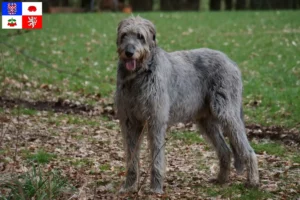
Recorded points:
(120, 27)
(150, 26)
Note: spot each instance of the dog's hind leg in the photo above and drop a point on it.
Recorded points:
(225, 106)
(235, 130)
(211, 130)
(238, 162)
(132, 138)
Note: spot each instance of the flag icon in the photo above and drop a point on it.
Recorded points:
(22, 15)
(32, 8)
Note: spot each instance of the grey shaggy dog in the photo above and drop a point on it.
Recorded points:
(159, 89)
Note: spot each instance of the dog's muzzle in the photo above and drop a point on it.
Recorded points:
(130, 62)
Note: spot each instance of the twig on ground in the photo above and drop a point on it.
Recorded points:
(18, 128)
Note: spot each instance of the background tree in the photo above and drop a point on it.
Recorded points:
(274, 4)
(216, 5)
(169, 5)
(138, 5)
(240, 4)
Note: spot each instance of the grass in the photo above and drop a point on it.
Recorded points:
(35, 184)
(104, 167)
(187, 137)
(235, 191)
(270, 148)
(72, 119)
(296, 159)
(245, 194)
(24, 111)
(41, 157)
(263, 43)
(82, 162)
(266, 46)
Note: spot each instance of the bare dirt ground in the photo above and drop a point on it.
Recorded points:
(88, 150)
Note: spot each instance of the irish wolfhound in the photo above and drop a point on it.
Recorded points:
(161, 88)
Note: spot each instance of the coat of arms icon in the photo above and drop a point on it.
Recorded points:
(12, 8)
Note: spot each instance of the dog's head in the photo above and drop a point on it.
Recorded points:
(135, 39)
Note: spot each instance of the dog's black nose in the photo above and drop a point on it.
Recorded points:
(129, 50)
(129, 54)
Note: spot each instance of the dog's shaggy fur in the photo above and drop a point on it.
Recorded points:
(161, 88)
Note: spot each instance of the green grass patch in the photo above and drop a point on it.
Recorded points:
(73, 119)
(296, 159)
(83, 162)
(35, 184)
(245, 194)
(104, 167)
(40, 156)
(265, 45)
(235, 191)
(111, 125)
(78, 137)
(270, 148)
(187, 136)
(23, 111)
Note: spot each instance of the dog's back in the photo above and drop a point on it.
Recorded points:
(192, 77)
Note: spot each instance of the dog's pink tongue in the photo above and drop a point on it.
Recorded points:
(130, 65)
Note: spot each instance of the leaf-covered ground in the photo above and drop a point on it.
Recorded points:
(85, 145)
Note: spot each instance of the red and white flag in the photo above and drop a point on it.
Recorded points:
(32, 15)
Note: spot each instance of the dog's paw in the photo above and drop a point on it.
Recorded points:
(252, 184)
(158, 191)
(218, 181)
(125, 190)
(239, 166)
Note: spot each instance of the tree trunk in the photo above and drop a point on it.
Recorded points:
(138, 5)
(64, 3)
(215, 5)
(240, 4)
(190, 5)
(169, 5)
(54, 3)
(46, 6)
(273, 4)
(57, 3)
(228, 4)
(86, 5)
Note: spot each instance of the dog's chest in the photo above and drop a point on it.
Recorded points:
(139, 98)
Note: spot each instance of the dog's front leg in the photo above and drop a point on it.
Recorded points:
(156, 136)
(132, 138)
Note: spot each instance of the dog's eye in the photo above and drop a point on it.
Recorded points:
(123, 36)
(140, 36)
